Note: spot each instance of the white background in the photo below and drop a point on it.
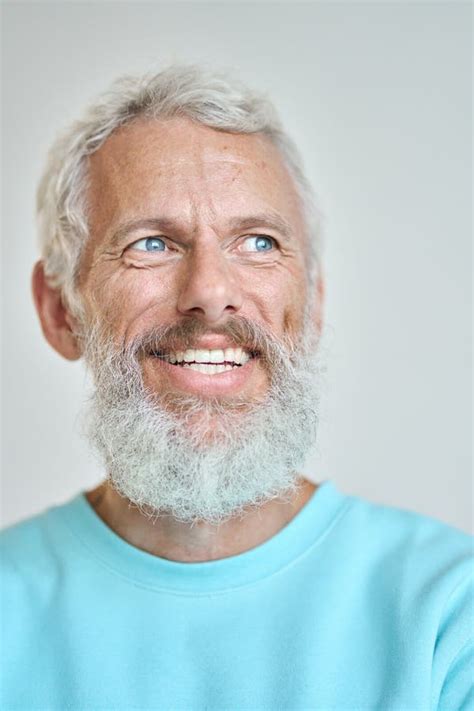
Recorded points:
(377, 95)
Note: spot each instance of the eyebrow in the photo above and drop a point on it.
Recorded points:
(266, 220)
(269, 220)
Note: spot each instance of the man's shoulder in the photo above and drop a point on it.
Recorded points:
(26, 531)
(410, 549)
(29, 548)
(397, 528)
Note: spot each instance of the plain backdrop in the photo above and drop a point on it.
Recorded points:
(377, 96)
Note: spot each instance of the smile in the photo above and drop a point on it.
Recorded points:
(209, 362)
(211, 372)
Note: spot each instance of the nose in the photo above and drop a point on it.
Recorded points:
(210, 289)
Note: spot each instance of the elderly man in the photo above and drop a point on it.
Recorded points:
(181, 260)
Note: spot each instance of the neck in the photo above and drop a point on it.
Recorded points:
(199, 542)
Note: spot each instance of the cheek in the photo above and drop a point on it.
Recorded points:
(281, 300)
(121, 298)
(292, 322)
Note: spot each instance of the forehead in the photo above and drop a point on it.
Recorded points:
(186, 170)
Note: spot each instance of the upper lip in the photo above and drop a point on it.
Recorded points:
(206, 343)
(213, 343)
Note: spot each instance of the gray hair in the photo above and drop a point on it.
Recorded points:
(207, 98)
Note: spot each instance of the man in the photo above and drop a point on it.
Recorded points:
(181, 260)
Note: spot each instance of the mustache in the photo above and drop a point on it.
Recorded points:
(106, 356)
(240, 331)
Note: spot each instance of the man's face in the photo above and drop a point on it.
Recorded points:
(192, 225)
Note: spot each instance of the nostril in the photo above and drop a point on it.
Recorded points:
(209, 296)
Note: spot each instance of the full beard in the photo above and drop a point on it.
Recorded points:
(202, 459)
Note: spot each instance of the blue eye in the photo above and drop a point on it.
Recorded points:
(149, 244)
(260, 243)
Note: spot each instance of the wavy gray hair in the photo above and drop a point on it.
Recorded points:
(208, 98)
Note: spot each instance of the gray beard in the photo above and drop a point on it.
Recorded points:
(202, 459)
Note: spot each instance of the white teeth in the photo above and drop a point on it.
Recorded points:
(244, 358)
(202, 357)
(216, 356)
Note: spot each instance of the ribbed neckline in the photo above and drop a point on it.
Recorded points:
(304, 531)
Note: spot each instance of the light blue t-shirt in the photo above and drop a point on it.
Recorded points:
(351, 606)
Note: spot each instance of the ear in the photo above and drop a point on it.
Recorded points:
(56, 321)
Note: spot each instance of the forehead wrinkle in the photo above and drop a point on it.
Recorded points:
(215, 158)
(222, 181)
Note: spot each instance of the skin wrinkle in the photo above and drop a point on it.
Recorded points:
(174, 169)
(116, 165)
(215, 157)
